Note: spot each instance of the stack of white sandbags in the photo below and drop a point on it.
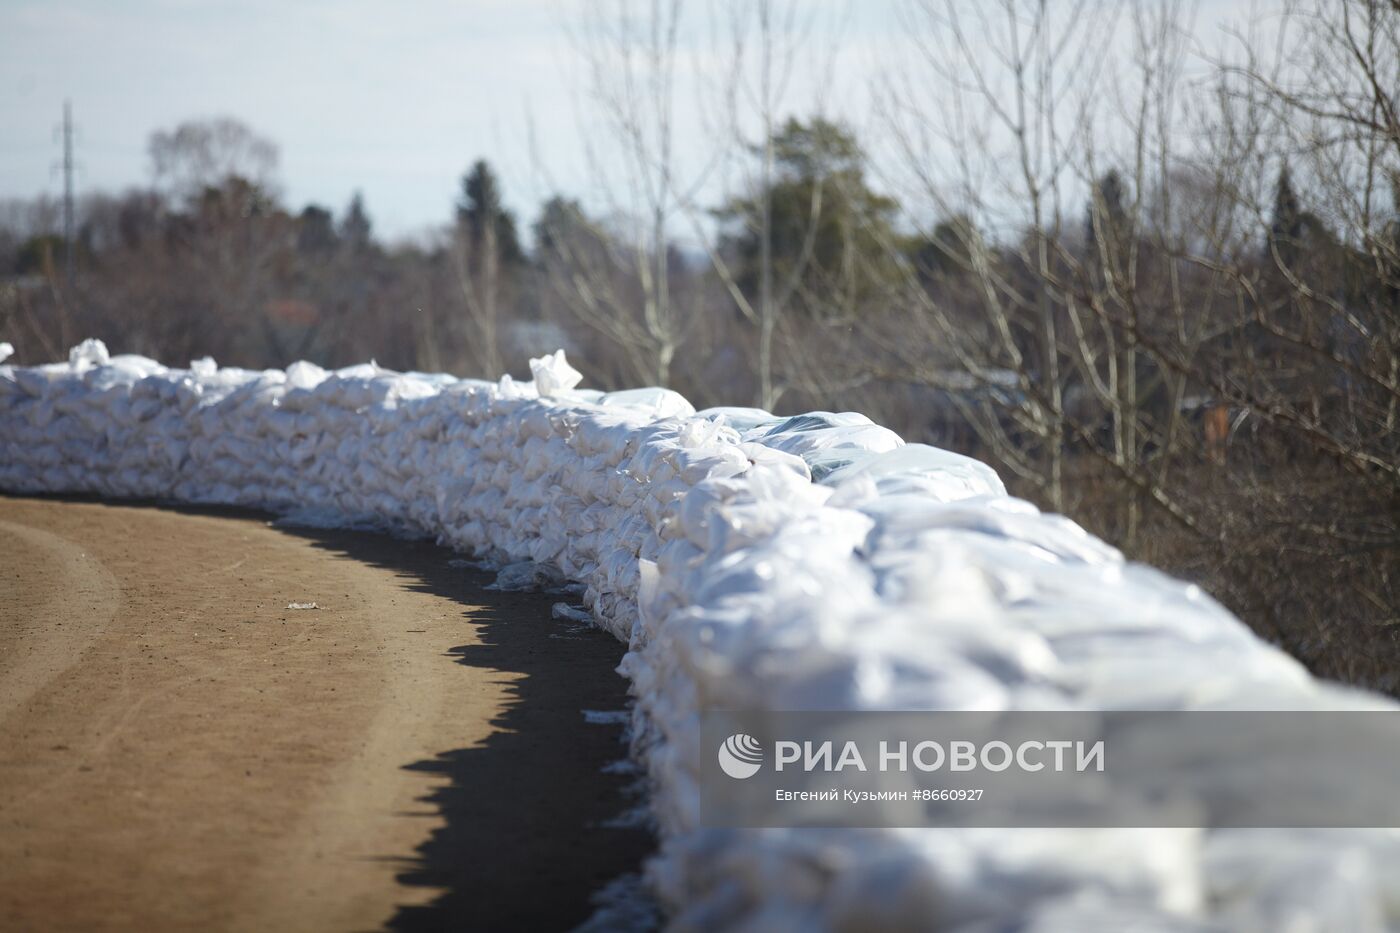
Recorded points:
(574, 482)
(902, 578)
(924, 587)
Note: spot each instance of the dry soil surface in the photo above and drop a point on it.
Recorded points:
(178, 750)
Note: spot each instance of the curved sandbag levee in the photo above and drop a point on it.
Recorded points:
(748, 560)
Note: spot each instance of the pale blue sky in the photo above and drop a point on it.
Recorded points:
(394, 99)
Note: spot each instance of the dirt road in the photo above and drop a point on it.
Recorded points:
(178, 750)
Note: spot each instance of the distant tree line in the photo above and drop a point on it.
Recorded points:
(1167, 307)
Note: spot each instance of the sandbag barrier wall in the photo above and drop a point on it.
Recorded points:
(804, 563)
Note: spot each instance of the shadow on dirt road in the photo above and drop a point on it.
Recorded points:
(535, 825)
(186, 750)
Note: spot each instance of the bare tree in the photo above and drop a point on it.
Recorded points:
(631, 53)
(206, 153)
(1170, 306)
(484, 247)
(997, 149)
(765, 40)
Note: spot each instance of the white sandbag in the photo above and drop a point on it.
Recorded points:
(89, 353)
(904, 578)
(658, 403)
(553, 374)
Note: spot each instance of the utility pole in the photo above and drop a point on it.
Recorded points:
(68, 195)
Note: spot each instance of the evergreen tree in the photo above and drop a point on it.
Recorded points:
(1106, 215)
(946, 252)
(1287, 225)
(827, 224)
(316, 230)
(560, 226)
(356, 229)
(480, 209)
(1390, 247)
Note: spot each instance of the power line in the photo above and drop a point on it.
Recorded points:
(68, 166)
(68, 195)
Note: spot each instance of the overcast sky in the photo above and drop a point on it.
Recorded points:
(393, 99)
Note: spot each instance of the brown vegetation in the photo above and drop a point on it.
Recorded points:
(1160, 291)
